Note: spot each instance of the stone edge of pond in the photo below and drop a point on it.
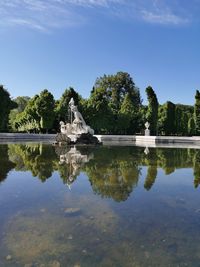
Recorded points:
(139, 140)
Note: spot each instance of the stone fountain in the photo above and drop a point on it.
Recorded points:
(76, 131)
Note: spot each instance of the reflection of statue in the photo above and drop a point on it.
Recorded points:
(147, 131)
(75, 160)
(146, 151)
(77, 126)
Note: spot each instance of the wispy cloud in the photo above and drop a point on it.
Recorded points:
(46, 15)
(163, 17)
(162, 12)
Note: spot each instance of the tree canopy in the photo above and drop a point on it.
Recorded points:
(113, 107)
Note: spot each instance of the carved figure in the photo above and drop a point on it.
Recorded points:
(78, 125)
(147, 131)
(147, 125)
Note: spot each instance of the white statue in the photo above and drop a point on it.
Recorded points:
(77, 125)
(147, 131)
(147, 125)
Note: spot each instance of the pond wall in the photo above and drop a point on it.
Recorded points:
(134, 139)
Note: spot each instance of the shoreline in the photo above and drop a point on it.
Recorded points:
(139, 140)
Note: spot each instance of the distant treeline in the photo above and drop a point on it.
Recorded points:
(114, 107)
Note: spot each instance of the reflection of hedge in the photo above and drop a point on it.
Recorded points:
(5, 164)
(37, 158)
(113, 171)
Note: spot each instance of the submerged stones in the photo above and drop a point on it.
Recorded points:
(72, 211)
(9, 257)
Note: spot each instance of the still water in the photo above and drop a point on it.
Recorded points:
(99, 206)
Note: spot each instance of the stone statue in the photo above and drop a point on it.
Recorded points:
(147, 125)
(147, 131)
(77, 125)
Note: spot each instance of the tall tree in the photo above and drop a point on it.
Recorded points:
(22, 102)
(197, 112)
(6, 104)
(115, 88)
(184, 114)
(152, 111)
(62, 106)
(45, 105)
(99, 115)
(191, 126)
(28, 120)
(167, 118)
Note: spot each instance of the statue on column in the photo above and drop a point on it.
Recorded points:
(147, 131)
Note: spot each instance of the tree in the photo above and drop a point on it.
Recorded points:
(62, 107)
(183, 113)
(127, 116)
(28, 120)
(6, 105)
(22, 102)
(152, 111)
(191, 126)
(197, 112)
(167, 118)
(45, 105)
(114, 88)
(99, 115)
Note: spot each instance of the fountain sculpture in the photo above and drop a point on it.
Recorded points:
(76, 131)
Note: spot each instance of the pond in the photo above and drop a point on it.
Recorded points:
(110, 206)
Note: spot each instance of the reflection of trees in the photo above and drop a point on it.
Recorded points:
(151, 177)
(196, 162)
(37, 158)
(170, 159)
(113, 172)
(150, 160)
(5, 164)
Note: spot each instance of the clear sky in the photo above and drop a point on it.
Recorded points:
(54, 44)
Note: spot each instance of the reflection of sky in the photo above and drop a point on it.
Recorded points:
(155, 222)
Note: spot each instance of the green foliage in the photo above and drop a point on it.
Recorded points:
(152, 111)
(191, 126)
(28, 120)
(113, 91)
(197, 112)
(21, 102)
(167, 118)
(45, 105)
(6, 105)
(62, 111)
(182, 115)
(99, 113)
(114, 107)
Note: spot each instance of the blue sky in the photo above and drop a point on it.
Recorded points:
(55, 44)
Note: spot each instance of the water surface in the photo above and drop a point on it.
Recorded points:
(99, 206)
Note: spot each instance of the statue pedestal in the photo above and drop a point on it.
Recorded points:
(147, 132)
